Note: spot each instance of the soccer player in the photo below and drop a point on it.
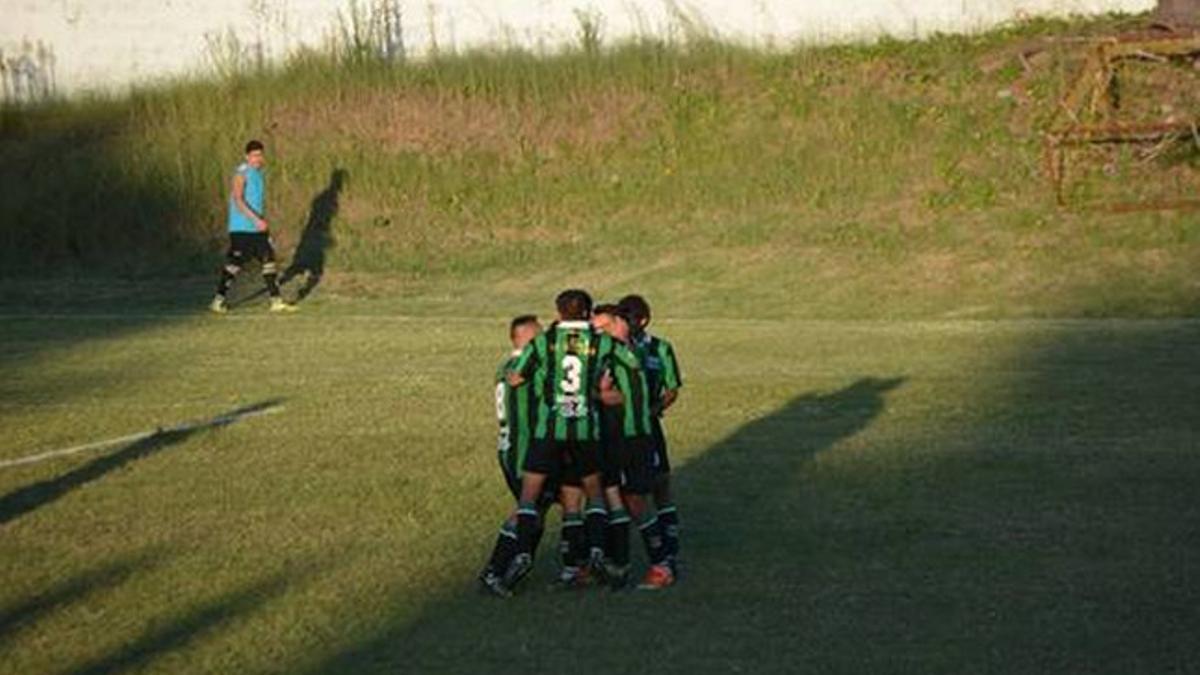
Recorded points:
(566, 361)
(516, 412)
(249, 232)
(665, 380)
(629, 453)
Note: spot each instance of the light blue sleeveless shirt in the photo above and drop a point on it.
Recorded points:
(254, 193)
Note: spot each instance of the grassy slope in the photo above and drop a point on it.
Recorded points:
(883, 496)
(888, 180)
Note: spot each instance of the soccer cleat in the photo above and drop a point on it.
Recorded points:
(570, 578)
(596, 565)
(517, 569)
(218, 306)
(617, 575)
(492, 583)
(657, 578)
(279, 306)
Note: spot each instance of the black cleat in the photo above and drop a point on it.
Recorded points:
(517, 570)
(494, 585)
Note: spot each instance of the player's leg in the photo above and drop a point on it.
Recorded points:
(270, 273)
(505, 548)
(572, 546)
(233, 265)
(541, 462)
(586, 455)
(616, 539)
(638, 488)
(668, 513)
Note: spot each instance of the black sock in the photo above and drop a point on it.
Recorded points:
(528, 524)
(226, 280)
(573, 544)
(669, 517)
(272, 278)
(504, 550)
(617, 536)
(537, 535)
(594, 524)
(651, 530)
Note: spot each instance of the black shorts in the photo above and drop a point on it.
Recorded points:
(245, 246)
(662, 463)
(567, 461)
(513, 480)
(629, 464)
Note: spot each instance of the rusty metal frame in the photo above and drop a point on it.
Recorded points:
(1087, 114)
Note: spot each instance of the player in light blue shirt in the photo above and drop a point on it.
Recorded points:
(249, 232)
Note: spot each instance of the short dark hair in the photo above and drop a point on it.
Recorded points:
(574, 305)
(253, 145)
(611, 309)
(519, 321)
(636, 307)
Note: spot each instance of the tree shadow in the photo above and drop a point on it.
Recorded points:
(32, 497)
(71, 590)
(751, 509)
(1042, 519)
(187, 626)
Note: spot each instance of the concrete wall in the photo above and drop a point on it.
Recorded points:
(76, 45)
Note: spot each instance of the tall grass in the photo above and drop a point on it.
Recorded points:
(896, 162)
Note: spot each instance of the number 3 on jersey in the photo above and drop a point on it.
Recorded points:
(572, 368)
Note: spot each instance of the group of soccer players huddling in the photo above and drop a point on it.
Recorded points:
(580, 406)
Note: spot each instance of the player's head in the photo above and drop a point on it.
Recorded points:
(254, 154)
(638, 310)
(574, 305)
(523, 329)
(610, 319)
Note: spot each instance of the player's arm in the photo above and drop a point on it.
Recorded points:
(609, 394)
(671, 375)
(239, 200)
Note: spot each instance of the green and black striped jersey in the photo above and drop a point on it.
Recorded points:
(634, 414)
(565, 362)
(516, 412)
(657, 357)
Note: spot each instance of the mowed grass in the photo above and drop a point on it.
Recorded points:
(857, 496)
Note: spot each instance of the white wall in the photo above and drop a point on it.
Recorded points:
(75, 45)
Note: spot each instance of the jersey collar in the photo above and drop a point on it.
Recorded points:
(574, 324)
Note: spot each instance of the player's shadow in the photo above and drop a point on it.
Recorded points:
(24, 500)
(317, 238)
(743, 501)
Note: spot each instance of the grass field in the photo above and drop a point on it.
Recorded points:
(931, 423)
(858, 496)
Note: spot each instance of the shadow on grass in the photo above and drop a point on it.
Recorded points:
(32, 497)
(1053, 528)
(746, 515)
(177, 631)
(69, 591)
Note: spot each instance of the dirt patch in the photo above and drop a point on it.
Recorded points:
(454, 124)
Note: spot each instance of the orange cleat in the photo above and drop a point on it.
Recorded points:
(657, 577)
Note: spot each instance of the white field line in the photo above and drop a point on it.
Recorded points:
(218, 421)
(433, 319)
